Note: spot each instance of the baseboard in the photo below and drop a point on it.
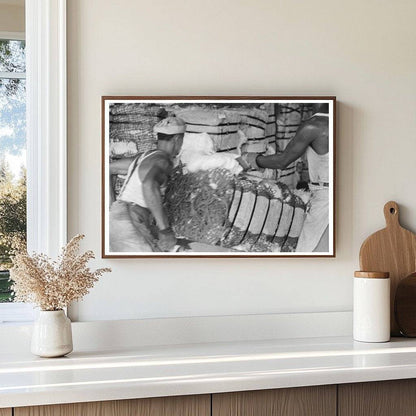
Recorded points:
(169, 331)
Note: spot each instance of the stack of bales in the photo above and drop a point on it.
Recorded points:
(288, 119)
(244, 214)
(264, 218)
(229, 127)
(271, 124)
(247, 128)
(131, 131)
(221, 125)
(253, 125)
(132, 124)
(270, 133)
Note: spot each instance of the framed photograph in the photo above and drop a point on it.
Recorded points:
(218, 177)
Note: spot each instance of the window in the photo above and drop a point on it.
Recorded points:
(45, 86)
(12, 154)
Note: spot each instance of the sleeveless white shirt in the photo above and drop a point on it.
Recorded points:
(132, 190)
(318, 164)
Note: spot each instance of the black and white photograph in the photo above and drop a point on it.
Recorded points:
(218, 176)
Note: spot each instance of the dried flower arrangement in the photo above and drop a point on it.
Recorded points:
(53, 285)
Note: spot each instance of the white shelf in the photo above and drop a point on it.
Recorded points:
(151, 371)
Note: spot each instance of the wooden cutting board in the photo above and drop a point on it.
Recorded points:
(405, 306)
(393, 250)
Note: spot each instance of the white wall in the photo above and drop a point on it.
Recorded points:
(361, 51)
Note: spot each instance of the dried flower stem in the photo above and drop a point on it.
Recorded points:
(53, 285)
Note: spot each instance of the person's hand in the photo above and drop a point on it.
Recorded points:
(243, 163)
(249, 159)
(167, 239)
(183, 245)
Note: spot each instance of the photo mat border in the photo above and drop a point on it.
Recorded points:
(104, 212)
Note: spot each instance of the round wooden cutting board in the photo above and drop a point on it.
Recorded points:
(393, 250)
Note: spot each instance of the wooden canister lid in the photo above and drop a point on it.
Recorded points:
(372, 275)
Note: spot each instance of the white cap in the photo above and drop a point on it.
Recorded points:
(170, 125)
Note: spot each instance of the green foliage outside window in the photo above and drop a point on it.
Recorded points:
(12, 223)
(12, 148)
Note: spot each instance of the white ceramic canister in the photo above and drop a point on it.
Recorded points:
(371, 313)
(52, 334)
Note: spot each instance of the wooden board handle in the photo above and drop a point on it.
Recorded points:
(391, 214)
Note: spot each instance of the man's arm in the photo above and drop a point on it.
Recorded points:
(120, 166)
(305, 135)
(153, 180)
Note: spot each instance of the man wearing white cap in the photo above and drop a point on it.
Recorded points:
(138, 221)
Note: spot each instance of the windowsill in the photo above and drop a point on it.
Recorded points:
(16, 313)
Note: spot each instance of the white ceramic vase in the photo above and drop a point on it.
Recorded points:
(52, 334)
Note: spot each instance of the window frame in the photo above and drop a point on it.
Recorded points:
(46, 137)
(12, 36)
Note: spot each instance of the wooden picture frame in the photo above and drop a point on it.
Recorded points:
(236, 224)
